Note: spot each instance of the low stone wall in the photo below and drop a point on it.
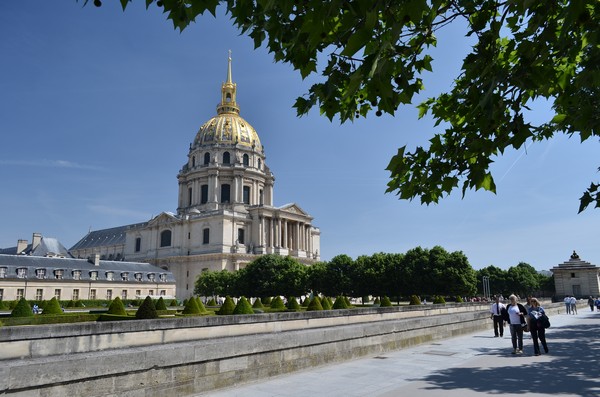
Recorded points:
(184, 356)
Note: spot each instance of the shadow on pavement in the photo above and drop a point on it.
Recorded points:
(571, 367)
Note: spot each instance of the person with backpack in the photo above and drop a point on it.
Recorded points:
(537, 326)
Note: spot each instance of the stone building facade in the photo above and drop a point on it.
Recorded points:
(576, 277)
(225, 215)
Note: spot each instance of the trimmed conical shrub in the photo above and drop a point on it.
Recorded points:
(173, 303)
(459, 299)
(160, 304)
(292, 304)
(228, 306)
(257, 304)
(347, 301)
(185, 302)
(200, 305)
(326, 303)
(146, 310)
(377, 302)
(243, 307)
(340, 303)
(22, 309)
(385, 302)
(212, 302)
(305, 302)
(191, 307)
(439, 300)
(315, 304)
(277, 303)
(414, 300)
(52, 307)
(117, 307)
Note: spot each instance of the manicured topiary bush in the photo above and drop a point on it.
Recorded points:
(257, 304)
(347, 301)
(191, 307)
(326, 303)
(306, 301)
(315, 304)
(385, 302)
(439, 300)
(173, 303)
(52, 307)
(292, 304)
(414, 300)
(22, 309)
(277, 303)
(211, 302)
(160, 304)
(243, 307)
(117, 307)
(228, 306)
(266, 300)
(147, 310)
(185, 302)
(459, 299)
(377, 302)
(340, 303)
(201, 305)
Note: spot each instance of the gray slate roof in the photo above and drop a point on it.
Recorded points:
(105, 237)
(47, 245)
(31, 263)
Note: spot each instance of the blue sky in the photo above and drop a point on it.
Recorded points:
(98, 108)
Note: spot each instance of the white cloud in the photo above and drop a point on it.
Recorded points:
(49, 163)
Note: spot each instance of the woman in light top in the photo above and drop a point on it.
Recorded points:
(536, 328)
(517, 315)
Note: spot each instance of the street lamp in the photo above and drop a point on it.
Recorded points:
(486, 286)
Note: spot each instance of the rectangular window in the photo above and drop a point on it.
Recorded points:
(76, 294)
(93, 275)
(76, 274)
(203, 194)
(138, 244)
(58, 274)
(190, 196)
(39, 294)
(1, 294)
(92, 294)
(125, 276)
(20, 293)
(109, 294)
(225, 193)
(163, 292)
(22, 272)
(151, 292)
(241, 236)
(124, 294)
(40, 273)
(206, 236)
(57, 294)
(246, 194)
(138, 292)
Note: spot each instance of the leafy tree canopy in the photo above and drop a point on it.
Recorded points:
(376, 52)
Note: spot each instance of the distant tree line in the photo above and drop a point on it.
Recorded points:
(419, 271)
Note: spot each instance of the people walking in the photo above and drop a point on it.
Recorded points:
(591, 303)
(517, 317)
(496, 312)
(573, 305)
(567, 301)
(536, 327)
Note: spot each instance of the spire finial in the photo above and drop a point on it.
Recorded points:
(229, 80)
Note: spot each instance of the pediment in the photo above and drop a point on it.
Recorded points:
(294, 209)
(162, 219)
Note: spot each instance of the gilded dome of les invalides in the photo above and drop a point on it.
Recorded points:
(227, 127)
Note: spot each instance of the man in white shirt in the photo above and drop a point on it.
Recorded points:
(567, 301)
(496, 312)
(573, 305)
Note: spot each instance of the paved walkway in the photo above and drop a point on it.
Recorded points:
(472, 365)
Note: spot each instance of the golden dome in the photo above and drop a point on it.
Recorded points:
(228, 127)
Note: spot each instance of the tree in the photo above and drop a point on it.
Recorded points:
(376, 53)
(270, 275)
(523, 279)
(212, 283)
(338, 277)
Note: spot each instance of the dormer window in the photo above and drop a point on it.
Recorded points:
(163, 277)
(151, 276)
(22, 272)
(40, 273)
(110, 276)
(58, 274)
(125, 276)
(3, 272)
(138, 277)
(76, 274)
(94, 275)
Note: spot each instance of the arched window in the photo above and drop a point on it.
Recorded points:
(226, 158)
(165, 238)
(246, 160)
(206, 158)
(225, 193)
